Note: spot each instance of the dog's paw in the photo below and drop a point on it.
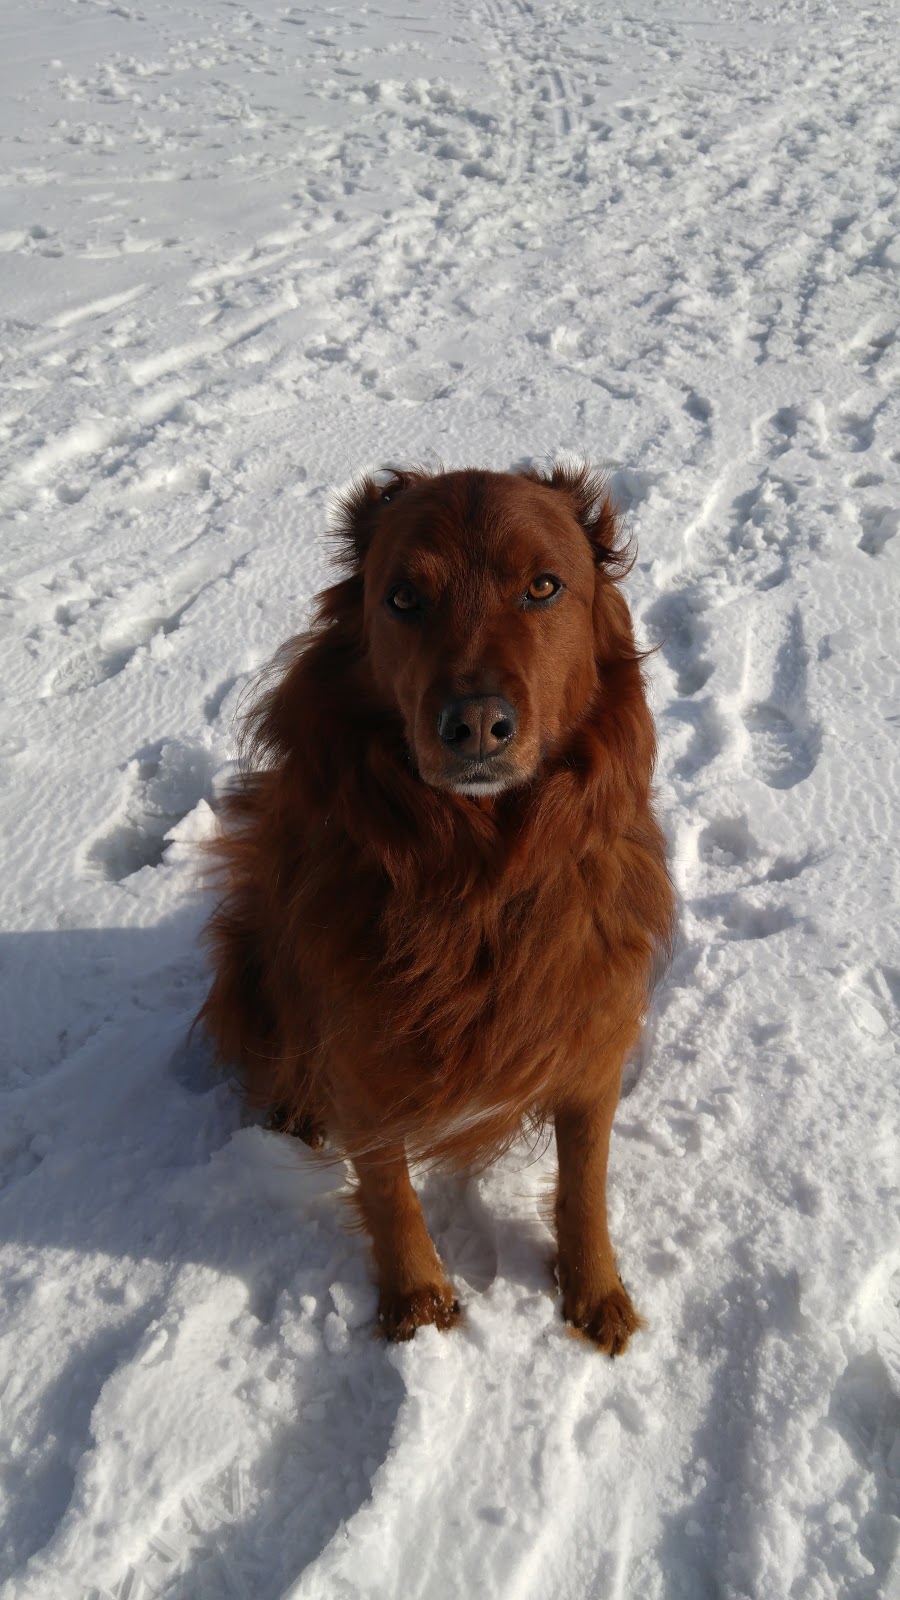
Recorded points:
(311, 1132)
(306, 1127)
(608, 1321)
(399, 1315)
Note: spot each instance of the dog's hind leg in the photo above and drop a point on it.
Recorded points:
(413, 1288)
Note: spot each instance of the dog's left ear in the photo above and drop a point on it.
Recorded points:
(356, 509)
(594, 508)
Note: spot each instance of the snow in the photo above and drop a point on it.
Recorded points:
(246, 249)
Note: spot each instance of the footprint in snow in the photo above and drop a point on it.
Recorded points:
(784, 741)
(727, 842)
(879, 525)
(699, 409)
(782, 430)
(745, 921)
(675, 622)
(707, 741)
(783, 753)
(858, 431)
(865, 1411)
(872, 347)
(872, 1000)
(163, 786)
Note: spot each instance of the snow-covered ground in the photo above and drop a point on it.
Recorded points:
(249, 245)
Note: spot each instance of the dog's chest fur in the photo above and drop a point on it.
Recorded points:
(467, 1007)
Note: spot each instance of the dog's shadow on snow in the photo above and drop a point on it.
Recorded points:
(126, 1163)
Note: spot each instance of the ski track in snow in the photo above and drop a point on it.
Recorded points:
(246, 249)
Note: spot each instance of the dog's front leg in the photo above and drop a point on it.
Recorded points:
(594, 1298)
(413, 1288)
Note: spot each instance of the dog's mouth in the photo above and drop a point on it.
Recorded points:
(482, 784)
(479, 778)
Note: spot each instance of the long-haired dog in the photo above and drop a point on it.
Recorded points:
(445, 888)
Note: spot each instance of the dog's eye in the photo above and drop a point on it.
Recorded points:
(543, 587)
(403, 598)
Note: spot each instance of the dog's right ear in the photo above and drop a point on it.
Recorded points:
(357, 508)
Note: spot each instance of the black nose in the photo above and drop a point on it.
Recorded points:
(478, 727)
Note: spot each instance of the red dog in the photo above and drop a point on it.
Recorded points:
(446, 888)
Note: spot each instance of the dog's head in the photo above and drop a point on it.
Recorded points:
(488, 609)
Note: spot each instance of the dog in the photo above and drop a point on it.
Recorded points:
(445, 889)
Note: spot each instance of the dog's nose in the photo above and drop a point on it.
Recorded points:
(478, 727)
